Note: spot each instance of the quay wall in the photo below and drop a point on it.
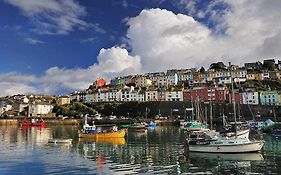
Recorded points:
(4, 122)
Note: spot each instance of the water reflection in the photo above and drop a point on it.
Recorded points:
(158, 151)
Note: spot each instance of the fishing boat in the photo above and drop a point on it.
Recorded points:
(90, 131)
(140, 127)
(201, 143)
(32, 122)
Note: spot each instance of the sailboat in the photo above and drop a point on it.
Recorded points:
(201, 143)
(195, 124)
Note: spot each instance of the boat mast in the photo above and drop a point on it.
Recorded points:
(211, 115)
(233, 99)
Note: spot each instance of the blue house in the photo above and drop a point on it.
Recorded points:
(269, 98)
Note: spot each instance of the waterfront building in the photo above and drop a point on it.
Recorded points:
(269, 98)
(174, 95)
(92, 97)
(200, 93)
(5, 107)
(250, 96)
(39, 109)
(250, 75)
(19, 107)
(237, 97)
(62, 100)
(77, 96)
(142, 81)
(172, 79)
(222, 80)
(130, 94)
(265, 75)
(151, 95)
(274, 75)
(221, 94)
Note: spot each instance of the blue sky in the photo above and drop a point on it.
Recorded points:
(57, 46)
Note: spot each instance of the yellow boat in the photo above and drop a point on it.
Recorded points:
(114, 134)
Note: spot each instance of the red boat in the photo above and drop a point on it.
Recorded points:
(32, 122)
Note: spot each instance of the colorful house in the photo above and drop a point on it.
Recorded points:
(269, 98)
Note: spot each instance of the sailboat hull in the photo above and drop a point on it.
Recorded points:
(228, 148)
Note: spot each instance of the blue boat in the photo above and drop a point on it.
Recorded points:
(276, 133)
(152, 124)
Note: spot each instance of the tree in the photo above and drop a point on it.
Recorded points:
(218, 65)
(202, 70)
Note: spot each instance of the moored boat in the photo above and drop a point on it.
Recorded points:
(276, 133)
(201, 143)
(113, 134)
(234, 144)
(89, 131)
(32, 122)
(140, 127)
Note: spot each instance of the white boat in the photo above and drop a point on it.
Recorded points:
(232, 145)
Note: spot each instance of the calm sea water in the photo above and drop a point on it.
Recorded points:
(158, 151)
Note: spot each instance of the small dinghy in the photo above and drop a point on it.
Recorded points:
(60, 141)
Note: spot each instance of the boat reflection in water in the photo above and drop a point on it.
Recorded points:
(113, 141)
(230, 157)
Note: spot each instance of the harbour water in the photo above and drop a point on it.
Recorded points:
(157, 151)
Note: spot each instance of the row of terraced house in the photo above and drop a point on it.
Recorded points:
(188, 85)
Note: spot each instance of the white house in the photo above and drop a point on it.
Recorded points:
(5, 107)
(173, 96)
(151, 95)
(39, 109)
(250, 96)
(130, 94)
(172, 79)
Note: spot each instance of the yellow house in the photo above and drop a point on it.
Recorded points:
(63, 100)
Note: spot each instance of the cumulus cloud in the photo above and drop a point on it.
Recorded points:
(14, 83)
(112, 62)
(247, 31)
(54, 17)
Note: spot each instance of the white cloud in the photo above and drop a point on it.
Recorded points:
(247, 31)
(54, 17)
(34, 41)
(14, 83)
(112, 62)
(89, 40)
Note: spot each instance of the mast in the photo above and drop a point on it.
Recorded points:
(274, 115)
(211, 115)
(233, 99)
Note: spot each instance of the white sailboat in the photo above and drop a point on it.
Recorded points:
(200, 143)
